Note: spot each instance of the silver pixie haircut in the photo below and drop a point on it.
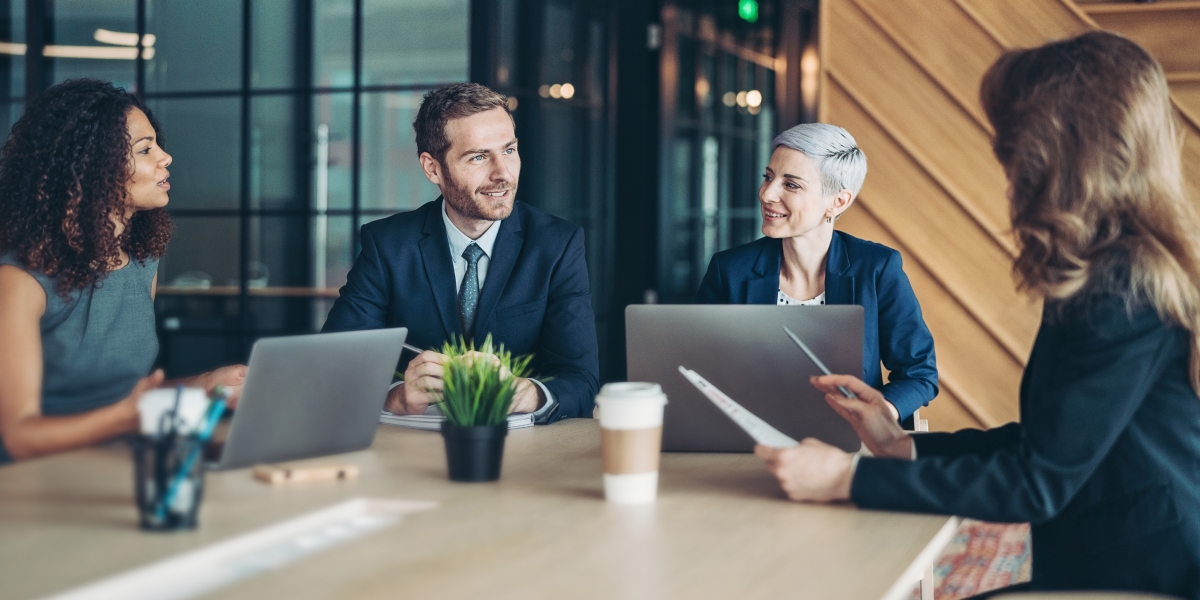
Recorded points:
(842, 165)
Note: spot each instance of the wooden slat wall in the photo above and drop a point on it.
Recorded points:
(902, 76)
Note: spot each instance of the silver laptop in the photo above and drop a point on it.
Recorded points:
(312, 395)
(743, 350)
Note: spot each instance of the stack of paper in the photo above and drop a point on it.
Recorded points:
(433, 418)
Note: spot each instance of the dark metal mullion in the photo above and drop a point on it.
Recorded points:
(244, 191)
(140, 61)
(355, 130)
(36, 14)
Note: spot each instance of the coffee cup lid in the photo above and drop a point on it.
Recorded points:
(630, 389)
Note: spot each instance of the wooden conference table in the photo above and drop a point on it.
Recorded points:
(721, 528)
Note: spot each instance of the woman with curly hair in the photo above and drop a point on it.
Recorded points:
(83, 186)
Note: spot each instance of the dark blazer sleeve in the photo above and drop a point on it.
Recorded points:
(567, 350)
(967, 441)
(363, 302)
(1099, 376)
(905, 344)
(714, 288)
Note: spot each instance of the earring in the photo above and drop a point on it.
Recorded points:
(828, 219)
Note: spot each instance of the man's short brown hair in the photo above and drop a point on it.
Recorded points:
(453, 101)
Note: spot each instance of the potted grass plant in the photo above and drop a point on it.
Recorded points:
(478, 388)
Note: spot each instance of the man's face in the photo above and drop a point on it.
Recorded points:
(478, 177)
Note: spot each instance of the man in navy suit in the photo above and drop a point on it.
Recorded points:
(476, 262)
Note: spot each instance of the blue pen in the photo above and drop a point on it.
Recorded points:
(214, 415)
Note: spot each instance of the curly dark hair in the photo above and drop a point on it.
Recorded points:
(64, 172)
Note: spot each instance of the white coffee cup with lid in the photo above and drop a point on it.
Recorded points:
(631, 418)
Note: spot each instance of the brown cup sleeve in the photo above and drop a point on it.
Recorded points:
(630, 451)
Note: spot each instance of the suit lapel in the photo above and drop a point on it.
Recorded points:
(509, 240)
(839, 285)
(439, 271)
(763, 286)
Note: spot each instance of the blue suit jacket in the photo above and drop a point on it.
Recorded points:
(1105, 462)
(856, 272)
(536, 298)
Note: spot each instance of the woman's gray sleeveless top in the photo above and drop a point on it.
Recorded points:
(97, 342)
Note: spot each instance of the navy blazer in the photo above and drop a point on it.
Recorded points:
(1105, 462)
(536, 298)
(856, 272)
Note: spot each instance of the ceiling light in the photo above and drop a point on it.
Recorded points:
(568, 91)
(120, 38)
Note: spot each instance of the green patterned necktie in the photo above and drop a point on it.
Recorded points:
(468, 292)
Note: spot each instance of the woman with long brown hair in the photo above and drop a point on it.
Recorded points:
(1105, 462)
(83, 186)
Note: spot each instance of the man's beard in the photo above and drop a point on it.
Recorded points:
(465, 202)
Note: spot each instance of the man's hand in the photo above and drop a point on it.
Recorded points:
(869, 414)
(811, 471)
(422, 385)
(528, 398)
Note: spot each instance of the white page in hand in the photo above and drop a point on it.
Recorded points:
(749, 422)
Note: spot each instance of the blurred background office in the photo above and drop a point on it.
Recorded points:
(646, 122)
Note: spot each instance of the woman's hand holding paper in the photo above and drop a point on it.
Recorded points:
(811, 471)
(870, 414)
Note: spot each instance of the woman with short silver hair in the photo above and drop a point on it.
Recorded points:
(815, 174)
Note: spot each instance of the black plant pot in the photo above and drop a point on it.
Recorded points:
(474, 453)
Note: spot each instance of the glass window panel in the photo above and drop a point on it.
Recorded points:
(333, 43)
(279, 252)
(274, 44)
(274, 315)
(12, 62)
(507, 30)
(391, 172)
(559, 51)
(705, 86)
(202, 136)
(203, 255)
(279, 160)
(408, 42)
(297, 264)
(597, 63)
(198, 45)
(728, 88)
(686, 90)
(680, 239)
(558, 182)
(332, 160)
(197, 332)
(81, 42)
(9, 113)
(337, 255)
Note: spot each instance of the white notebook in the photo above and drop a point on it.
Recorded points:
(433, 418)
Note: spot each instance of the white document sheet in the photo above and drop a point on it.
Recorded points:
(749, 422)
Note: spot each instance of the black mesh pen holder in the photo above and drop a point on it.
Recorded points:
(168, 480)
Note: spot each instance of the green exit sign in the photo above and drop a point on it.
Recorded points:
(748, 10)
